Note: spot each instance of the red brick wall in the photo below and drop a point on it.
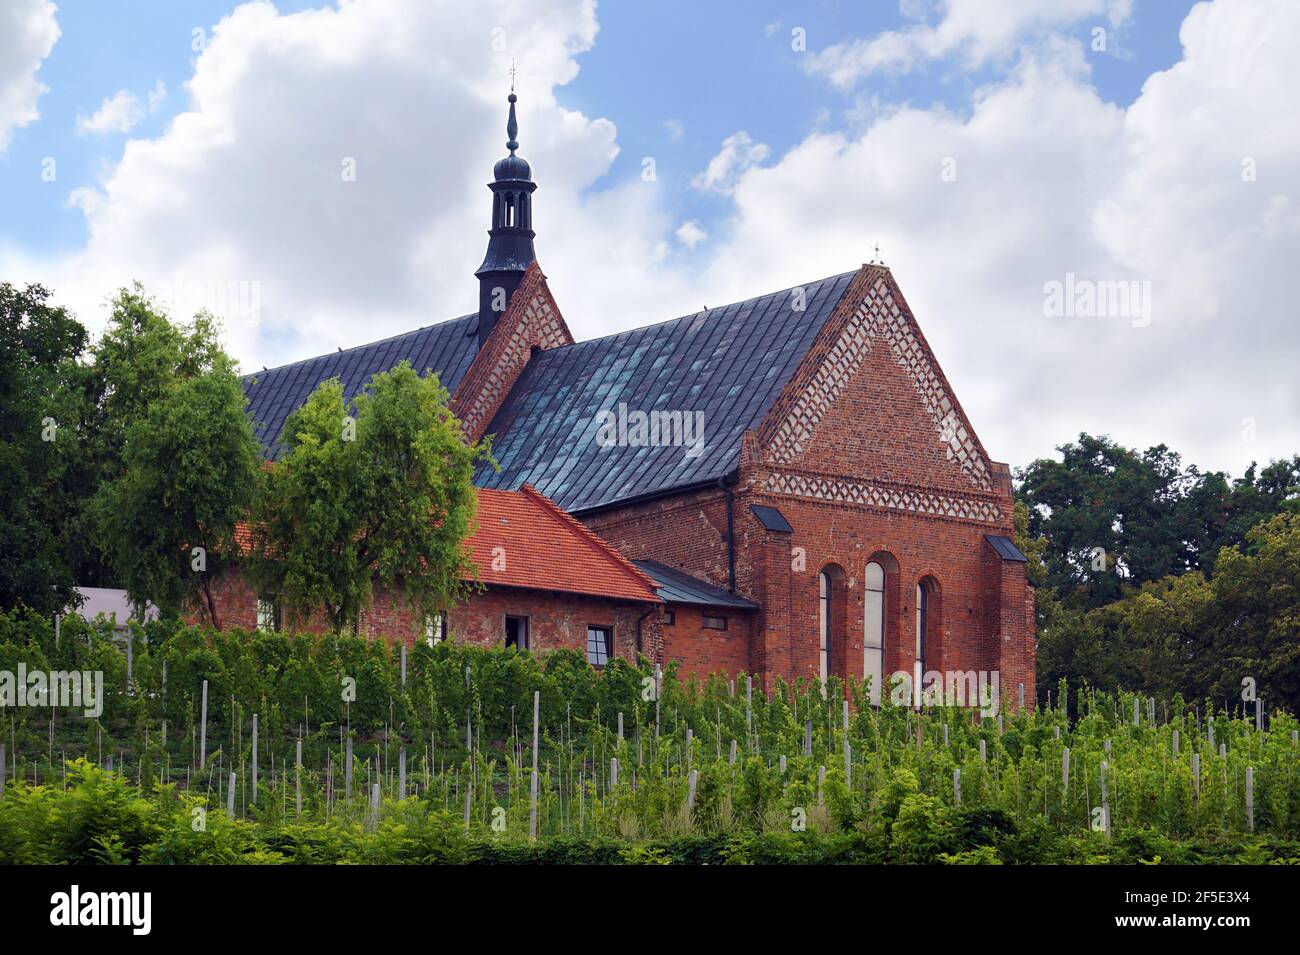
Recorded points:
(702, 651)
(555, 619)
(866, 452)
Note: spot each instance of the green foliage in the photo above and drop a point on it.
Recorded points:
(1191, 635)
(386, 497)
(467, 797)
(1151, 516)
(41, 457)
(190, 465)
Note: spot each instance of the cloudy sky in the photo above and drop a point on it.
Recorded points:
(315, 173)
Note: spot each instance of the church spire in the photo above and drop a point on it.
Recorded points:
(510, 239)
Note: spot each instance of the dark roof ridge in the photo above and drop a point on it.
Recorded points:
(709, 311)
(352, 348)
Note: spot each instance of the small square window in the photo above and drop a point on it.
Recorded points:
(435, 628)
(268, 614)
(715, 623)
(517, 632)
(669, 618)
(600, 645)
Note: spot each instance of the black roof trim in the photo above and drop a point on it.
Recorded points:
(1006, 549)
(771, 518)
(681, 588)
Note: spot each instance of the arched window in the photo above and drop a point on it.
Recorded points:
(873, 643)
(927, 622)
(825, 611)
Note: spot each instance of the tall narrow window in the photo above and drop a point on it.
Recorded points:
(435, 628)
(600, 645)
(268, 614)
(517, 632)
(922, 620)
(873, 642)
(824, 610)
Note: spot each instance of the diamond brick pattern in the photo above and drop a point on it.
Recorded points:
(870, 494)
(879, 320)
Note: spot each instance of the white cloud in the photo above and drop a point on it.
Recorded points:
(245, 186)
(157, 95)
(245, 189)
(118, 113)
(690, 234)
(675, 129)
(975, 30)
(28, 31)
(1052, 180)
(738, 154)
(121, 112)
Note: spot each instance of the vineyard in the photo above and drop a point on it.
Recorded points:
(338, 749)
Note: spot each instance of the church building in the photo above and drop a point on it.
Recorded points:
(785, 486)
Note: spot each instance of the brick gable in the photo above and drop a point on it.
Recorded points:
(531, 321)
(870, 417)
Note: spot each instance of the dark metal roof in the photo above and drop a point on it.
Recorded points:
(728, 363)
(680, 588)
(771, 518)
(1005, 548)
(446, 349)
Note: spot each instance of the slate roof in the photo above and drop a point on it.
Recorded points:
(1005, 548)
(678, 587)
(730, 363)
(771, 518)
(546, 549)
(446, 348)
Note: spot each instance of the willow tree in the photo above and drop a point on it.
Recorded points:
(379, 494)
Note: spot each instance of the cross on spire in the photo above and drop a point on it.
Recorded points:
(513, 72)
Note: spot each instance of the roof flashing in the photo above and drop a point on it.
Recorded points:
(771, 518)
(1006, 549)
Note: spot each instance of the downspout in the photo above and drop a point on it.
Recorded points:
(640, 620)
(726, 482)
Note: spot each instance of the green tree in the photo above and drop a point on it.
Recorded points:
(42, 455)
(1115, 519)
(386, 497)
(1256, 625)
(190, 467)
(136, 361)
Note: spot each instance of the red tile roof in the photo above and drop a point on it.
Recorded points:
(546, 549)
(542, 548)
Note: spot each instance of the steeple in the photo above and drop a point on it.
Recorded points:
(510, 240)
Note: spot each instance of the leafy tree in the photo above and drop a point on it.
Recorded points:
(190, 466)
(1115, 519)
(136, 362)
(1191, 634)
(1255, 631)
(386, 497)
(41, 455)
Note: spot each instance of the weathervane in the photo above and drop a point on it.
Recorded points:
(876, 258)
(513, 72)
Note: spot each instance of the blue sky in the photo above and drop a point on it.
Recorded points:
(988, 146)
(713, 67)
